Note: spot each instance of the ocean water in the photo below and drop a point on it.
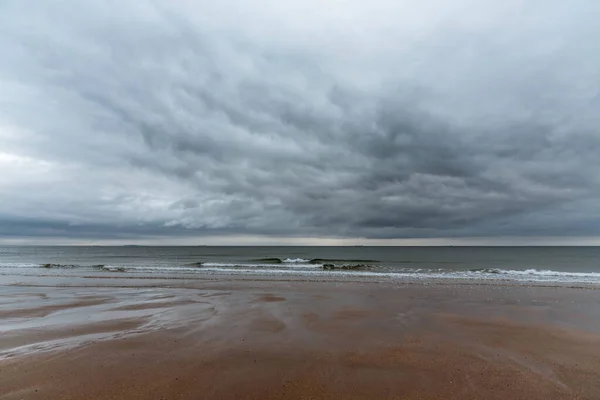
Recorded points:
(523, 264)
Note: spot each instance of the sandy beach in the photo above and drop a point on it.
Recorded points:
(226, 338)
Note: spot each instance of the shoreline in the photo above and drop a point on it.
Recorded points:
(520, 264)
(59, 280)
(287, 338)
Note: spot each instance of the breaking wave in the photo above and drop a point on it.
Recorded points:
(269, 260)
(295, 261)
(535, 272)
(276, 260)
(341, 260)
(286, 264)
(69, 266)
(315, 270)
(320, 267)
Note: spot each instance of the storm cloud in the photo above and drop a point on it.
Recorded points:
(385, 119)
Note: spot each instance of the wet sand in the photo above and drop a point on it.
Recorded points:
(224, 338)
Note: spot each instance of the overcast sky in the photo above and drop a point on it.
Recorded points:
(293, 121)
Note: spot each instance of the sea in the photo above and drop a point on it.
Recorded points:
(499, 264)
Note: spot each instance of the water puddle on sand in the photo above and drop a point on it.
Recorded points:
(66, 318)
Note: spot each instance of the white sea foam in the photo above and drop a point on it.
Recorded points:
(302, 267)
(285, 264)
(114, 268)
(535, 272)
(18, 265)
(554, 273)
(314, 271)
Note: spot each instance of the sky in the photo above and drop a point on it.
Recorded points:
(300, 122)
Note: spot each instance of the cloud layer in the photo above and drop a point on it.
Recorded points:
(137, 118)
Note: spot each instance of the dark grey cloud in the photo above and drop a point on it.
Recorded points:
(393, 120)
